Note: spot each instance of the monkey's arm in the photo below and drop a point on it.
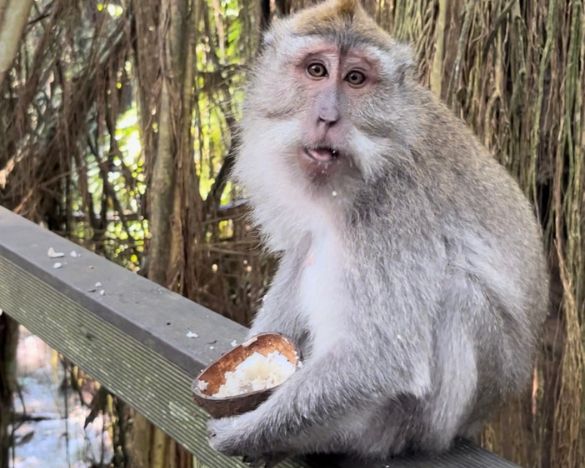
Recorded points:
(279, 312)
(386, 354)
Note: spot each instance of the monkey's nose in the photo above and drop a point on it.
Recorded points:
(329, 119)
(328, 115)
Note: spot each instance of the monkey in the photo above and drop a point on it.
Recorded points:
(411, 268)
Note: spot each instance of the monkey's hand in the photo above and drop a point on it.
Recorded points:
(231, 436)
(224, 435)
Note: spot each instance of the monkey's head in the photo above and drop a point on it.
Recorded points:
(325, 113)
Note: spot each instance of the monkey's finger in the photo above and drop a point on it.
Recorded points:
(263, 461)
(253, 461)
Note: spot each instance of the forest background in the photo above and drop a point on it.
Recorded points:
(117, 128)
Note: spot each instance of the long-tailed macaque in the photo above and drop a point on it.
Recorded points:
(412, 274)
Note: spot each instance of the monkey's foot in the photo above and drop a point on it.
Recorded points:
(268, 460)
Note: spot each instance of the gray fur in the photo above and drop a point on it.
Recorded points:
(445, 284)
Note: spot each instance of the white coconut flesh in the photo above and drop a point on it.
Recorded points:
(256, 372)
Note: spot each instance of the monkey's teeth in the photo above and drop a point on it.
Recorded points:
(321, 154)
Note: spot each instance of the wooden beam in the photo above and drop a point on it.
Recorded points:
(134, 338)
(463, 455)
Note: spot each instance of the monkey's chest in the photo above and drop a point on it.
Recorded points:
(322, 295)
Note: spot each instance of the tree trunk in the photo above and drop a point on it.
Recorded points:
(8, 341)
(13, 16)
(172, 181)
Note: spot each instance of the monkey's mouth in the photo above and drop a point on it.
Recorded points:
(319, 162)
(321, 154)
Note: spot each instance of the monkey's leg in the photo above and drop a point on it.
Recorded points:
(323, 390)
(472, 340)
(374, 431)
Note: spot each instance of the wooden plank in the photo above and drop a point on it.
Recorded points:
(463, 455)
(138, 307)
(133, 338)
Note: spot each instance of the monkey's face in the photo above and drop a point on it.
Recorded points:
(336, 108)
(334, 84)
(324, 114)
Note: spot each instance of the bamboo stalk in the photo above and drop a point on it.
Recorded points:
(3, 4)
(437, 67)
(12, 23)
(543, 67)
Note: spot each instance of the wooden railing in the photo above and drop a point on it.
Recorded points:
(142, 342)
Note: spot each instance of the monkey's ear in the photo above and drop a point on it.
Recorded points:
(405, 64)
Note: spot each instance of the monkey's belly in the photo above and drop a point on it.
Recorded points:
(322, 296)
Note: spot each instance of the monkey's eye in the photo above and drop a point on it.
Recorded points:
(316, 70)
(355, 78)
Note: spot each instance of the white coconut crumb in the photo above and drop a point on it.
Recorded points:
(202, 385)
(53, 254)
(57, 265)
(212, 347)
(233, 343)
(102, 292)
(74, 254)
(191, 334)
(256, 372)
